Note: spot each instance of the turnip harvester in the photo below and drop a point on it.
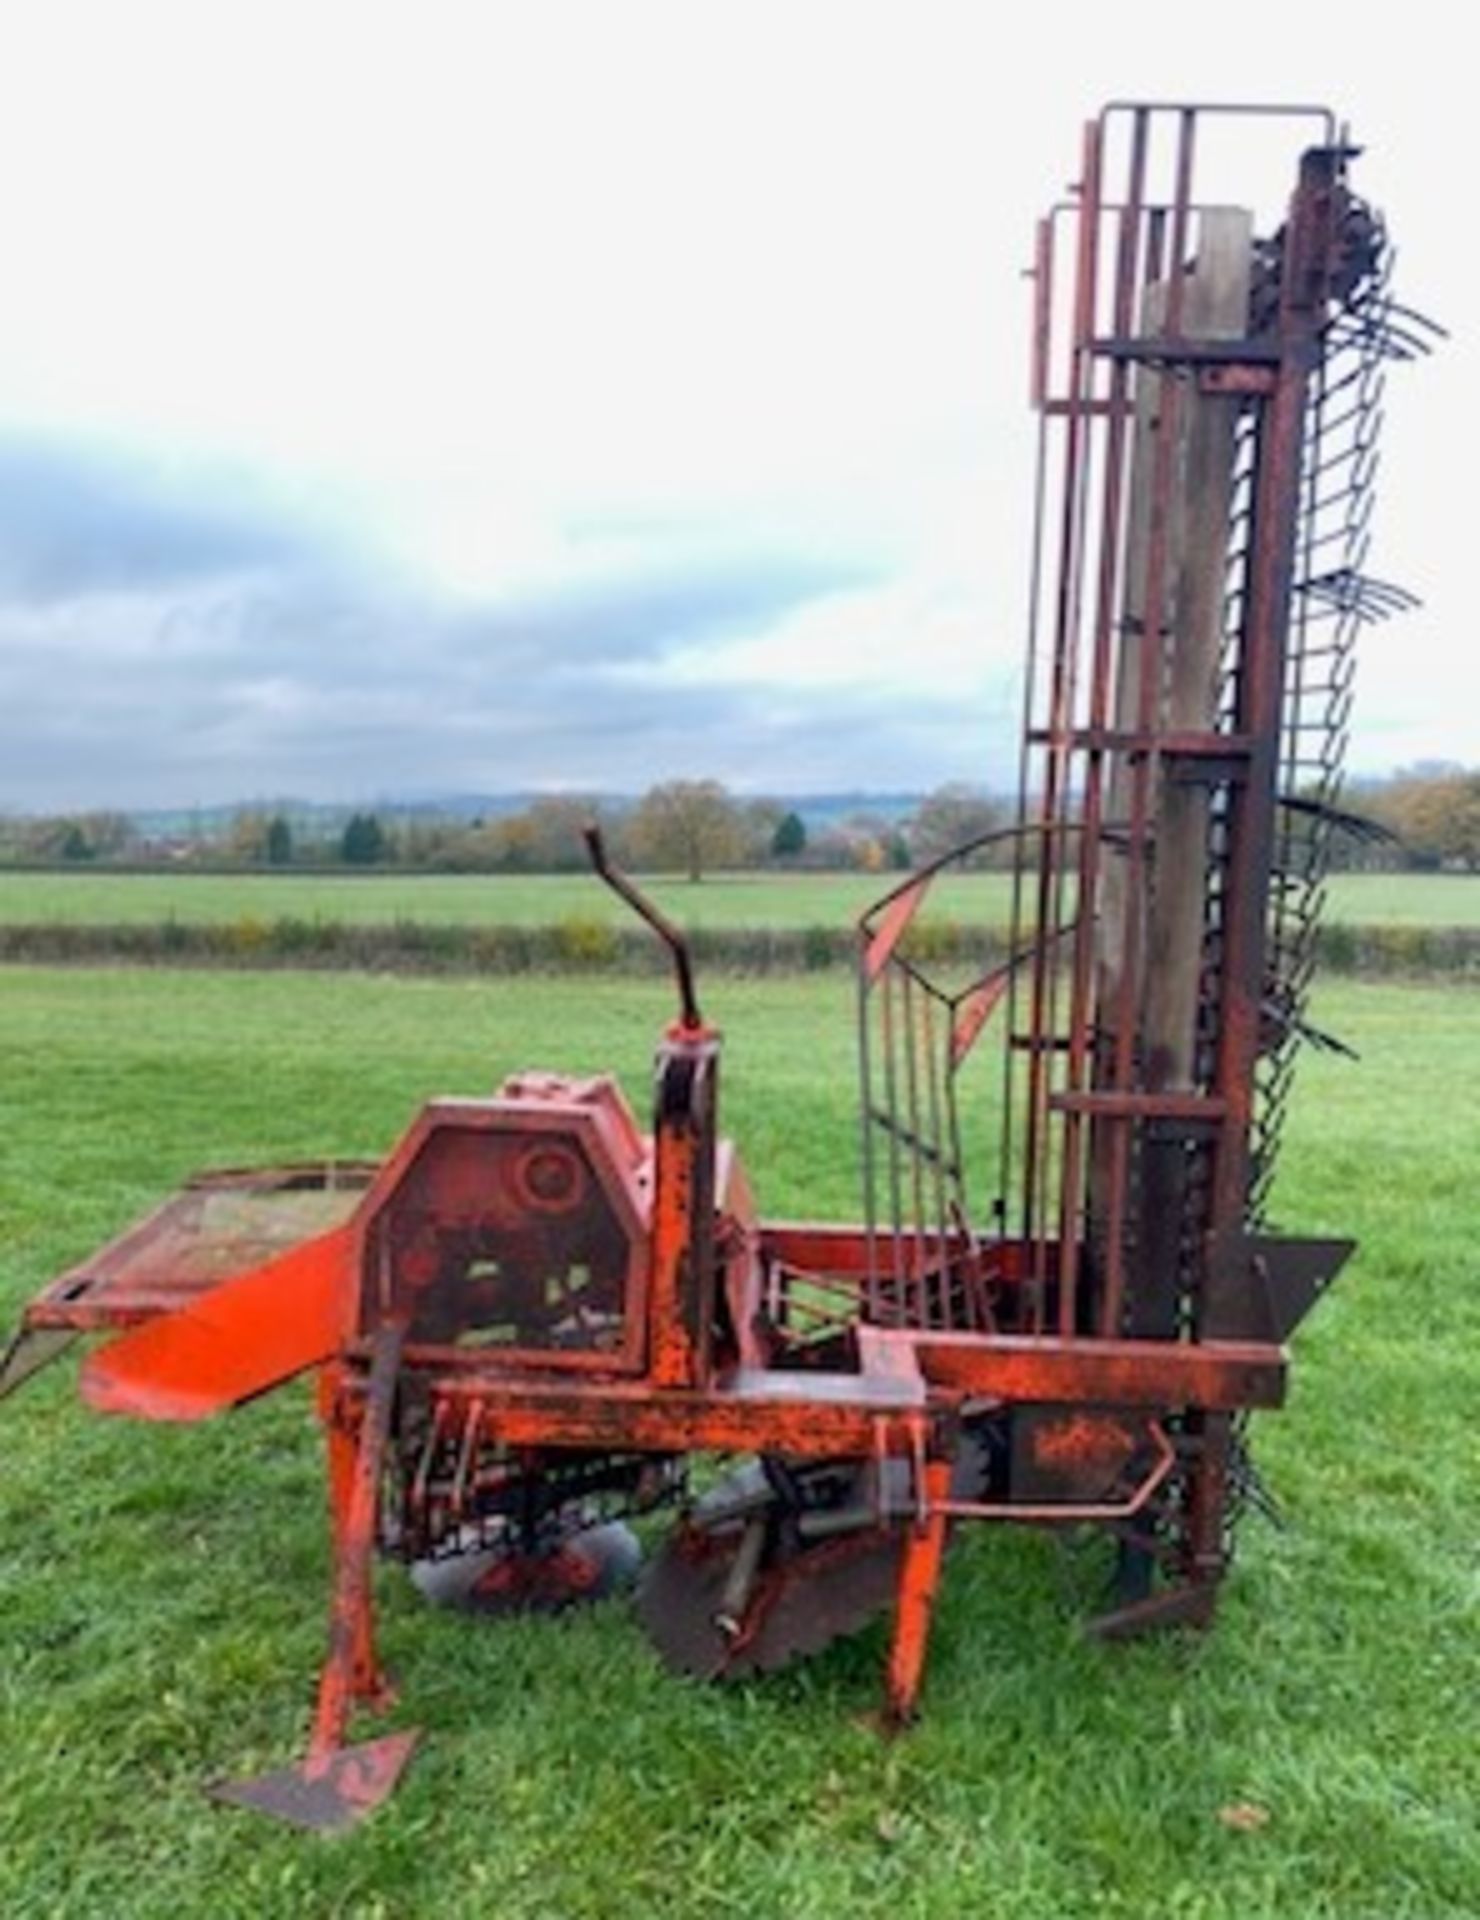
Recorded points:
(532, 1316)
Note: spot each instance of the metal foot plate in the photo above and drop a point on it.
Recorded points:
(327, 1794)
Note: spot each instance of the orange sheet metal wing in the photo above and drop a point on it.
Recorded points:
(893, 923)
(973, 1010)
(235, 1340)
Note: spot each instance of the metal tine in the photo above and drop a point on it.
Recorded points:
(426, 1460)
(1343, 675)
(1355, 593)
(1424, 321)
(1358, 412)
(1359, 370)
(1371, 413)
(866, 1129)
(1342, 498)
(1374, 337)
(1339, 535)
(934, 1068)
(1353, 449)
(1383, 334)
(462, 1477)
(896, 1205)
(929, 1151)
(1358, 464)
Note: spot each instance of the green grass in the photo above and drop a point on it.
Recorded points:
(723, 900)
(162, 1590)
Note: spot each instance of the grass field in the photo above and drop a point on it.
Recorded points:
(723, 900)
(162, 1590)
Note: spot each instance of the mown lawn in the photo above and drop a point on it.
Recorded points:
(722, 900)
(162, 1590)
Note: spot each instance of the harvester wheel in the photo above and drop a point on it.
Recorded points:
(567, 1572)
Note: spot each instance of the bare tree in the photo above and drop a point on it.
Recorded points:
(949, 817)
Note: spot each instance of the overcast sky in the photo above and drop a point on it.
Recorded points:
(424, 398)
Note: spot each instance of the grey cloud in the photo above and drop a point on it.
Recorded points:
(431, 717)
(685, 596)
(164, 647)
(76, 520)
(379, 632)
(167, 640)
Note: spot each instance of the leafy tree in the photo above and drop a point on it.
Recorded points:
(108, 834)
(759, 819)
(508, 844)
(1436, 816)
(832, 850)
(687, 825)
(84, 836)
(279, 842)
(437, 843)
(868, 837)
(244, 838)
(1462, 840)
(362, 843)
(544, 837)
(52, 837)
(555, 826)
(790, 837)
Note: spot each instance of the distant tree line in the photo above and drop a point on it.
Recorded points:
(691, 827)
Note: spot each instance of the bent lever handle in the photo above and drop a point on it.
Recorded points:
(675, 942)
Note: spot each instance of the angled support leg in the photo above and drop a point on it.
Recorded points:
(336, 1785)
(919, 1577)
(352, 1672)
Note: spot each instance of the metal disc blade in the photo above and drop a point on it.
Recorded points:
(804, 1601)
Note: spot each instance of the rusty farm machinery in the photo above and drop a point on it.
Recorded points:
(1063, 1298)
